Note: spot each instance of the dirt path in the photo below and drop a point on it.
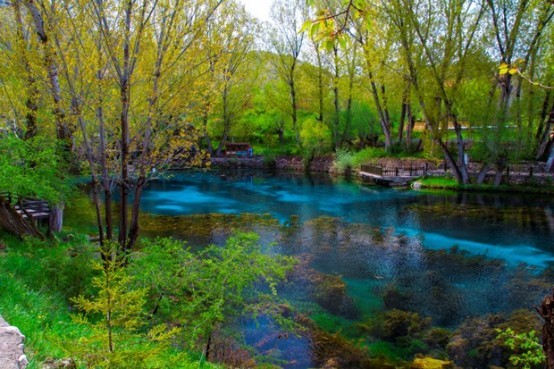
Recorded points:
(11, 347)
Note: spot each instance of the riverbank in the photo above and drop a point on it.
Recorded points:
(443, 183)
(522, 178)
(36, 301)
(287, 163)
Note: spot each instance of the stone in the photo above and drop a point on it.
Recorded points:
(59, 364)
(427, 362)
(11, 347)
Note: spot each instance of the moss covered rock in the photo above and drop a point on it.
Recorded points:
(427, 362)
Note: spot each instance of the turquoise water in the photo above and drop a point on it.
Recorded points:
(518, 229)
(445, 256)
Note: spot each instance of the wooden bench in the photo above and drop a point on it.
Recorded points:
(36, 209)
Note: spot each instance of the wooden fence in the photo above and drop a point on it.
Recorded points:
(402, 171)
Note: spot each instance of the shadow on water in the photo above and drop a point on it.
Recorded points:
(382, 274)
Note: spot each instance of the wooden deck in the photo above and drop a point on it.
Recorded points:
(29, 208)
(395, 176)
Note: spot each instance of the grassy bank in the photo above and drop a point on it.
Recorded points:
(37, 279)
(442, 183)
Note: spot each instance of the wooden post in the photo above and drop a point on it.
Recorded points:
(55, 221)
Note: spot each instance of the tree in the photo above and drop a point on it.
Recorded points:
(28, 169)
(286, 42)
(116, 340)
(203, 291)
(444, 33)
(138, 60)
(231, 70)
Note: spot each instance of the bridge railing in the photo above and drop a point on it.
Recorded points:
(397, 171)
(372, 169)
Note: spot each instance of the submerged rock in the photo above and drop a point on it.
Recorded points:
(334, 351)
(426, 362)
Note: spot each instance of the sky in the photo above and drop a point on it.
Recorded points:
(258, 8)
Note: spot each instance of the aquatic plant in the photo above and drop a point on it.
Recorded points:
(526, 347)
(426, 362)
(475, 344)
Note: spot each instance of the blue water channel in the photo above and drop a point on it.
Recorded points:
(518, 228)
(448, 256)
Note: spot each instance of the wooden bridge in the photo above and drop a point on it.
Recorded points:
(28, 208)
(392, 176)
(24, 216)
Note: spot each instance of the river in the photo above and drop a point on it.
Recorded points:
(385, 273)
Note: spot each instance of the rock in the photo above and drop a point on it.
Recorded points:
(11, 347)
(427, 362)
(416, 185)
(59, 364)
(331, 364)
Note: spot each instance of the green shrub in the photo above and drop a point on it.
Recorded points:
(527, 351)
(344, 160)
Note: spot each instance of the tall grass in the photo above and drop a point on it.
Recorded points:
(36, 281)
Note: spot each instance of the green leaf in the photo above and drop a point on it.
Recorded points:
(307, 24)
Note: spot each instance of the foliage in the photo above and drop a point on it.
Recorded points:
(35, 300)
(344, 160)
(527, 351)
(115, 316)
(315, 137)
(30, 168)
(60, 267)
(202, 290)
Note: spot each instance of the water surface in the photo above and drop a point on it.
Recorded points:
(366, 252)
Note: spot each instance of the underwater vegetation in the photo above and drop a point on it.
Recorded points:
(365, 297)
(429, 291)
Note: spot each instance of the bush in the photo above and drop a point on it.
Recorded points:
(344, 160)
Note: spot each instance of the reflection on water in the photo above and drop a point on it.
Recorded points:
(382, 272)
(516, 228)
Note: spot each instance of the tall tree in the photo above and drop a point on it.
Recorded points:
(286, 42)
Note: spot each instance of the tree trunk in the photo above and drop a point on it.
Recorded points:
(124, 91)
(63, 130)
(55, 221)
(498, 176)
(226, 121)
(294, 106)
(336, 120)
(405, 113)
(410, 128)
(544, 114)
(483, 173)
(32, 89)
(450, 160)
(545, 139)
(319, 82)
(546, 311)
(461, 152)
(135, 212)
(208, 347)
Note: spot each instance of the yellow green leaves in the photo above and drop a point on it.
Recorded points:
(507, 69)
(514, 68)
(325, 31)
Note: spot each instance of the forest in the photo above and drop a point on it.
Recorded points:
(116, 92)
